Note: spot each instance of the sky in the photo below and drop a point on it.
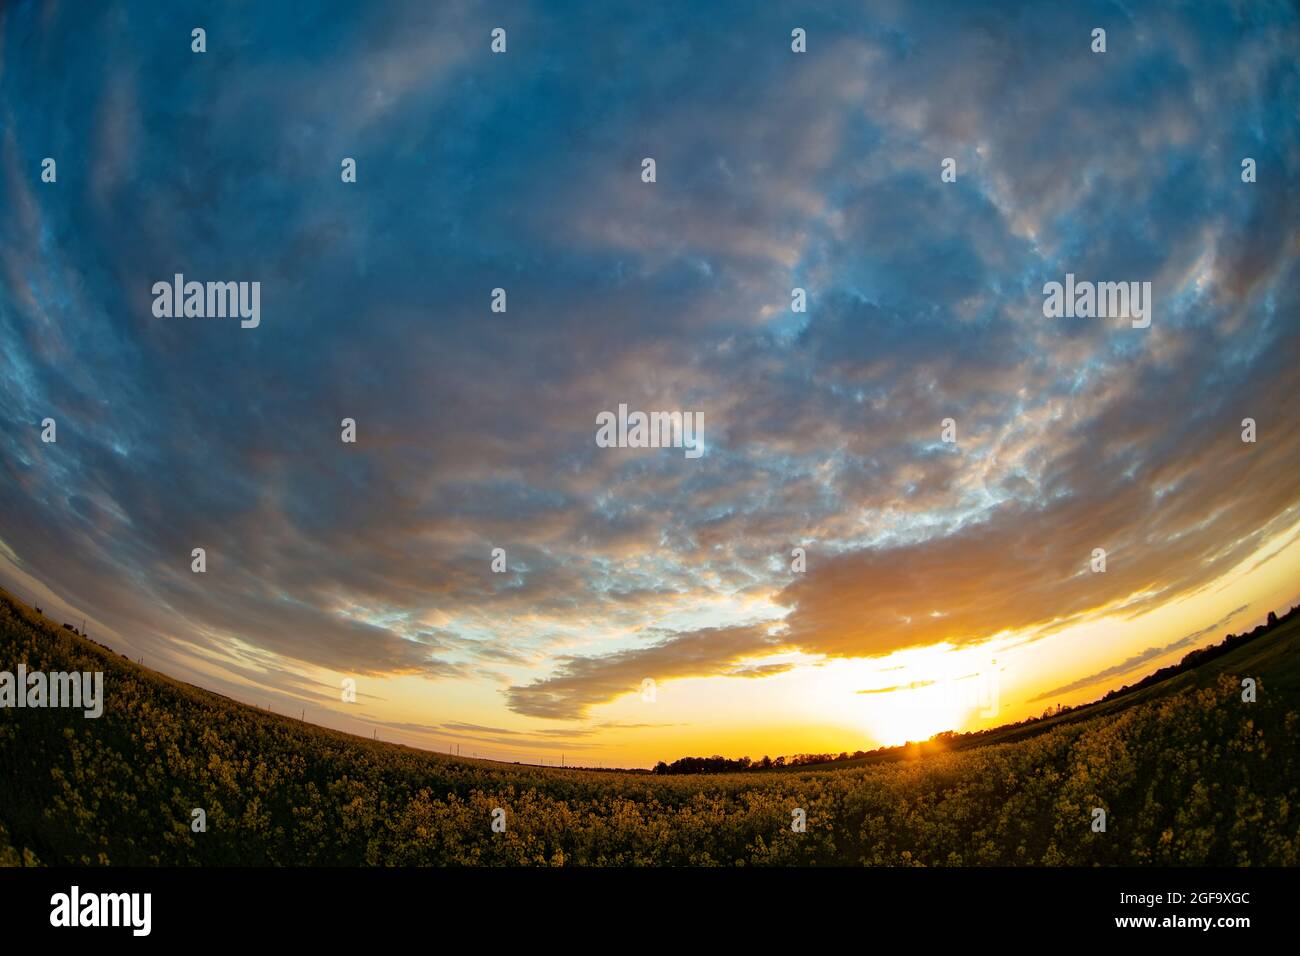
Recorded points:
(650, 607)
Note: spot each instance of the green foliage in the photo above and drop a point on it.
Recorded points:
(1196, 778)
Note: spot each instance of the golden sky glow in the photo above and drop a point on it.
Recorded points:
(819, 705)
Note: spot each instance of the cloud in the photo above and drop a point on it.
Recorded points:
(896, 687)
(580, 683)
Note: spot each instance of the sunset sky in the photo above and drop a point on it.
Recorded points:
(933, 569)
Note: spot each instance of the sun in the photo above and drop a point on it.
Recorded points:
(913, 713)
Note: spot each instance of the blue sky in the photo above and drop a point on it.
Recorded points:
(775, 170)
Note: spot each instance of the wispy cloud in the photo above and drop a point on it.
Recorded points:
(1138, 660)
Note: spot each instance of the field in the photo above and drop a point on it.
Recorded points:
(1186, 772)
